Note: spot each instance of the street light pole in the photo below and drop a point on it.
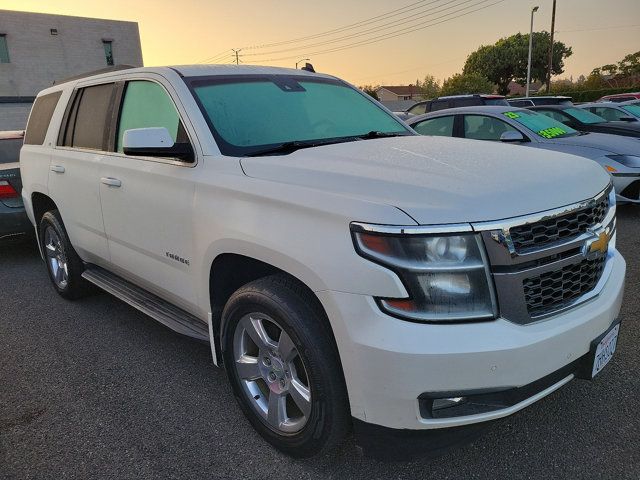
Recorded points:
(302, 60)
(533, 10)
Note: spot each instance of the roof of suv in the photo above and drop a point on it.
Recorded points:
(489, 109)
(197, 71)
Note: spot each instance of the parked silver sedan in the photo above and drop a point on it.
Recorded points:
(620, 156)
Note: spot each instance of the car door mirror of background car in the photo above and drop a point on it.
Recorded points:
(511, 136)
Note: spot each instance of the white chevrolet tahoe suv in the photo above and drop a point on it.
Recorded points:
(347, 272)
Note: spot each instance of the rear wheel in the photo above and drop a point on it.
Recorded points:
(63, 263)
(284, 368)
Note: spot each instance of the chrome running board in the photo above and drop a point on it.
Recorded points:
(162, 311)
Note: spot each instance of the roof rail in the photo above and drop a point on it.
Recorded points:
(114, 68)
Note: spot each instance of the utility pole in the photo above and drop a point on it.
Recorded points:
(533, 10)
(553, 24)
(236, 52)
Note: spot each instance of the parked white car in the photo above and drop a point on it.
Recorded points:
(346, 271)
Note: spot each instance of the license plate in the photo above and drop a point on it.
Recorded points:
(605, 350)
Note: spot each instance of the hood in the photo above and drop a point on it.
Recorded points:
(608, 143)
(439, 180)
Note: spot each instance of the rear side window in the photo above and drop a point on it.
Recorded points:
(40, 118)
(147, 104)
(440, 126)
(92, 119)
(439, 105)
(466, 102)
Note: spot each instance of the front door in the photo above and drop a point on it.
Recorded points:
(147, 201)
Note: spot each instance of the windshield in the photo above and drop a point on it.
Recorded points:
(632, 109)
(248, 114)
(10, 150)
(541, 125)
(584, 116)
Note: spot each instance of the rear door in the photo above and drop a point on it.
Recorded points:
(147, 202)
(74, 178)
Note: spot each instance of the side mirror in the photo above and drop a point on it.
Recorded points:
(511, 136)
(628, 119)
(154, 142)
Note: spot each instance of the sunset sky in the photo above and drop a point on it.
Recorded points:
(193, 31)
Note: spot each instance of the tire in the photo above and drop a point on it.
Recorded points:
(63, 263)
(296, 375)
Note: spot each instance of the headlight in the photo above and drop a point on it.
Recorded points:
(631, 161)
(446, 275)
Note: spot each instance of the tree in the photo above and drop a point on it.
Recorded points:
(629, 65)
(466, 83)
(429, 87)
(506, 60)
(370, 90)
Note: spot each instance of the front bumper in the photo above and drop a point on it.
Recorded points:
(389, 363)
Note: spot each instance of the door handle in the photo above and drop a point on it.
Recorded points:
(57, 168)
(112, 182)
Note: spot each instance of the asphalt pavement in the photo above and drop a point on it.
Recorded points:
(95, 389)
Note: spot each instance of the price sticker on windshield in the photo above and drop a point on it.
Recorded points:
(513, 115)
(551, 132)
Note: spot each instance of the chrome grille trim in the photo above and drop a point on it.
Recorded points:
(511, 268)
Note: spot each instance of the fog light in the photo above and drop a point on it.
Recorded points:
(442, 403)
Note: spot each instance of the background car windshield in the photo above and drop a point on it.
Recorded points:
(584, 116)
(632, 109)
(248, 114)
(541, 125)
(10, 150)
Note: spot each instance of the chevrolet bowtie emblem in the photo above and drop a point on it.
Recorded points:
(600, 245)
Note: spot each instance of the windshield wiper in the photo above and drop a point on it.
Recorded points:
(377, 134)
(289, 147)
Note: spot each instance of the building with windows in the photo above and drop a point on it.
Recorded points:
(37, 49)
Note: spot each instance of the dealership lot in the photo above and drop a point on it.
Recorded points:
(95, 389)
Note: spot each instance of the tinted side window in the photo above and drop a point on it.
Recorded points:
(479, 127)
(556, 115)
(441, 126)
(439, 105)
(466, 102)
(92, 117)
(147, 104)
(40, 117)
(610, 114)
(418, 109)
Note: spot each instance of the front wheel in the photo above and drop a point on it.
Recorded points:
(284, 367)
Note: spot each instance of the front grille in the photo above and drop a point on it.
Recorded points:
(539, 234)
(553, 290)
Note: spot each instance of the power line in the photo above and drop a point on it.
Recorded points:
(389, 14)
(223, 53)
(389, 35)
(378, 28)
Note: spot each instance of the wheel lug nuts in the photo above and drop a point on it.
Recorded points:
(272, 377)
(266, 361)
(282, 384)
